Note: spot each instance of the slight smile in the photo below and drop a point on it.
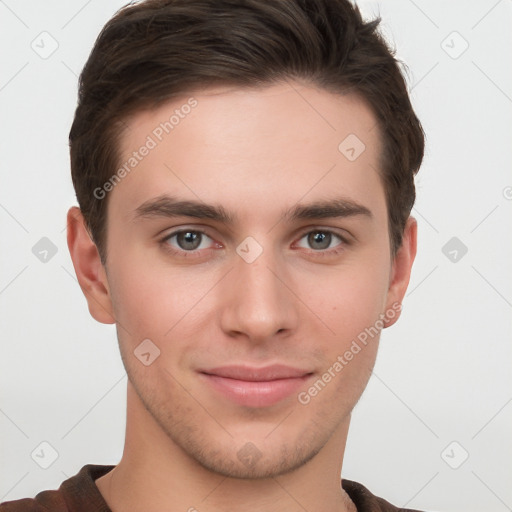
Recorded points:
(256, 387)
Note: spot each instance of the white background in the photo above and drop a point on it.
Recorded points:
(443, 372)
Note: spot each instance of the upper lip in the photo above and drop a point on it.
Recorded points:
(250, 373)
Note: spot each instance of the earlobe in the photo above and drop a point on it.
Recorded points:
(401, 272)
(88, 267)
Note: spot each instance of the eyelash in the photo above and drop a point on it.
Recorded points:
(324, 253)
(197, 253)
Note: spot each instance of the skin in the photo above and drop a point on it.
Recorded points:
(257, 153)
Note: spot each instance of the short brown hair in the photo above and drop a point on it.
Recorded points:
(152, 51)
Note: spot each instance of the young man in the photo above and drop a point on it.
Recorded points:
(245, 174)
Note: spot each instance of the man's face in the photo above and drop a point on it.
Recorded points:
(273, 283)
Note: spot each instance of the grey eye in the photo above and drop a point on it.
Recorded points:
(319, 240)
(189, 240)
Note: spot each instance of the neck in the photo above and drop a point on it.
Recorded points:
(155, 474)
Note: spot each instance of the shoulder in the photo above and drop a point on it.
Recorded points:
(45, 501)
(365, 501)
(77, 494)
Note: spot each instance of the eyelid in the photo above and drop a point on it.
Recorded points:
(303, 243)
(344, 235)
(324, 254)
(176, 232)
(178, 253)
(183, 223)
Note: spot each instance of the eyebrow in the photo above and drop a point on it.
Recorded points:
(328, 209)
(167, 206)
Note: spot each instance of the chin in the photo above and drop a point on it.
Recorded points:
(251, 463)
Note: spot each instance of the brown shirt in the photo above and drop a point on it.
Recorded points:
(80, 494)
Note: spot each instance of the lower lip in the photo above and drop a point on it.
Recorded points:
(256, 394)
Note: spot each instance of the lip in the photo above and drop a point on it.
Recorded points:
(255, 387)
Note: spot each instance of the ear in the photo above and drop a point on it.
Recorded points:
(401, 272)
(88, 267)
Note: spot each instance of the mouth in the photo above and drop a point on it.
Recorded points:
(255, 387)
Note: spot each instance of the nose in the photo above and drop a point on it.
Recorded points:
(257, 301)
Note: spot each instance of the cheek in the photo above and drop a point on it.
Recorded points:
(161, 307)
(157, 302)
(349, 299)
(349, 309)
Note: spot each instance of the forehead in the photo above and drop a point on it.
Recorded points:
(225, 144)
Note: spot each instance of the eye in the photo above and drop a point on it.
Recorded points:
(320, 240)
(188, 240)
